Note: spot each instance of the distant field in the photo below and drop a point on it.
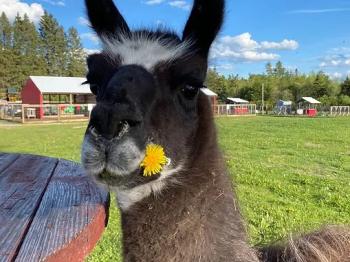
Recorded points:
(292, 174)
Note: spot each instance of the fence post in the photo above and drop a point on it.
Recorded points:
(23, 114)
(58, 113)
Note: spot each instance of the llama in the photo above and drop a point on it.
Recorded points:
(148, 91)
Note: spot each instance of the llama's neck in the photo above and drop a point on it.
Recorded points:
(196, 221)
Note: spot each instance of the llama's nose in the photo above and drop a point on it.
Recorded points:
(111, 121)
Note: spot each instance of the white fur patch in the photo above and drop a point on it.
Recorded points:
(124, 157)
(144, 50)
(127, 198)
(92, 157)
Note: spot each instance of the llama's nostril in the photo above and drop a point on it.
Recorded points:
(116, 132)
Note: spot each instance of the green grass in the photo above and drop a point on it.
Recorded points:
(291, 174)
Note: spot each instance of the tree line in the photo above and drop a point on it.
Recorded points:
(43, 50)
(280, 84)
(50, 50)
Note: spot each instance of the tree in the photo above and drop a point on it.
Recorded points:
(321, 85)
(216, 82)
(18, 40)
(269, 69)
(344, 100)
(54, 45)
(25, 36)
(5, 32)
(280, 71)
(76, 55)
(345, 87)
(31, 37)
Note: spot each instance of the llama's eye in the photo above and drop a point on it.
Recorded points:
(190, 91)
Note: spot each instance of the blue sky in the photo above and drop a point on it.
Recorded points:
(309, 35)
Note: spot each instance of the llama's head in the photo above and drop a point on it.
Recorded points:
(147, 87)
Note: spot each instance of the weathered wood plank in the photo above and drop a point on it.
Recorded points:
(21, 188)
(6, 160)
(70, 219)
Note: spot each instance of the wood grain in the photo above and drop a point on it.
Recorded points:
(22, 185)
(70, 219)
(6, 160)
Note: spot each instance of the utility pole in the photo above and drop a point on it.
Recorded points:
(262, 98)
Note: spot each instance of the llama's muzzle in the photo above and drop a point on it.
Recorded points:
(122, 103)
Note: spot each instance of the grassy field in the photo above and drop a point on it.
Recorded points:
(291, 174)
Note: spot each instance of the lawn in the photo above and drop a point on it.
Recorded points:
(291, 174)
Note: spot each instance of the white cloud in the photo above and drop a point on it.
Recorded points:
(11, 7)
(319, 11)
(91, 36)
(154, 2)
(223, 67)
(55, 3)
(83, 21)
(244, 48)
(91, 51)
(180, 4)
(336, 60)
(284, 45)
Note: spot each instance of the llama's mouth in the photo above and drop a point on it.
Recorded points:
(111, 161)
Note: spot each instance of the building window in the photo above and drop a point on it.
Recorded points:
(54, 99)
(46, 99)
(64, 99)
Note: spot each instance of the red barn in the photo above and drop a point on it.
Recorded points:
(40, 90)
(212, 96)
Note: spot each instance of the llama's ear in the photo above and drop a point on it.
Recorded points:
(204, 24)
(105, 18)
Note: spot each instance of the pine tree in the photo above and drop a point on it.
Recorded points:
(321, 85)
(18, 40)
(54, 45)
(76, 54)
(280, 71)
(269, 69)
(5, 32)
(345, 87)
(31, 37)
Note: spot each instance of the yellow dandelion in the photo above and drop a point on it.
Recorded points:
(154, 160)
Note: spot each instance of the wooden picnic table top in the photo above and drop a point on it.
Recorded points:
(50, 210)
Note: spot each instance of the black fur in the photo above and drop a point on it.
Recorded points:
(105, 18)
(204, 23)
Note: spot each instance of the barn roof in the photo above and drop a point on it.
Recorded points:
(208, 92)
(311, 100)
(61, 85)
(237, 100)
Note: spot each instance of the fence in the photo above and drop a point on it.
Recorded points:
(340, 111)
(235, 110)
(36, 113)
(66, 112)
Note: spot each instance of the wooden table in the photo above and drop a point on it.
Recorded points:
(49, 210)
